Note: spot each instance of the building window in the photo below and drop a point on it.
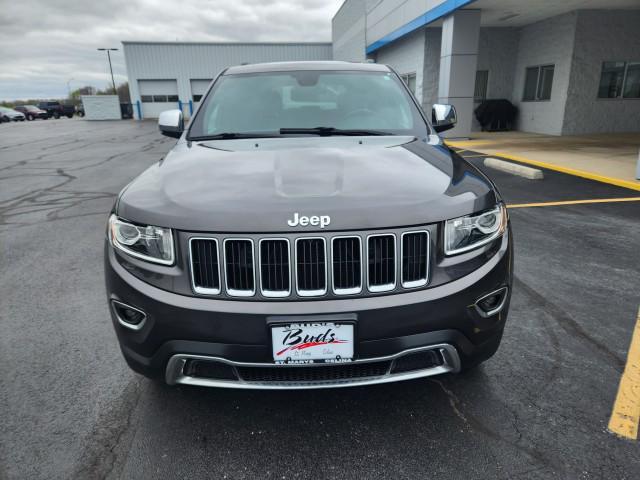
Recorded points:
(410, 80)
(537, 83)
(158, 98)
(620, 80)
(197, 98)
(482, 82)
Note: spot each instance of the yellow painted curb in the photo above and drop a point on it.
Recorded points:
(574, 202)
(572, 171)
(626, 410)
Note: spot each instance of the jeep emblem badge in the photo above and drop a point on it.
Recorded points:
(314, 220)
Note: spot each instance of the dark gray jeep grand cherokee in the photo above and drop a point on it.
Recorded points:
(309, 229)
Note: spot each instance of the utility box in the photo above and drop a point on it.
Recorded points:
(101, 107)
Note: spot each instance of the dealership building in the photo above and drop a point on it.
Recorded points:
(570, 67)
(168, 75)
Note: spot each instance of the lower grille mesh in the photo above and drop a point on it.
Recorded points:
(313, 374)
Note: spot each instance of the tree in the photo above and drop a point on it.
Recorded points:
(122, 91)
(75, 95)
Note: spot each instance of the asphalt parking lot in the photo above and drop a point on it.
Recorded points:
(70, 408)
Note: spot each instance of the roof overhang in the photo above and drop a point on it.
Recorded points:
(501, 13)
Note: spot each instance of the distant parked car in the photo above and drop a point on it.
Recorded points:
(8, 115)
(57, 109)
(31, 112)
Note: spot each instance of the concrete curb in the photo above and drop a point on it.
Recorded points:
(514, 169)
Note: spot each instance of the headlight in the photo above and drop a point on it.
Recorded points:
(466, 233)
(153, 244)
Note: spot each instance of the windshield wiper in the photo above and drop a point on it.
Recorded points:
(329, 131)
(232, 136)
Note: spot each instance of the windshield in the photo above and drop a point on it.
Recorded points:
(264, 103)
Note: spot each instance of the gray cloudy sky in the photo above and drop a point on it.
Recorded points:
(44, 43)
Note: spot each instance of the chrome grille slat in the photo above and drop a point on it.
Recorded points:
(381, 257)
(205, 266)
(239, 268)
(346, 258)
(415, 258)
(311, 266)
(275, 269)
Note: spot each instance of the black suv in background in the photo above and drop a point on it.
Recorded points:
(309, 229)
(57, 109)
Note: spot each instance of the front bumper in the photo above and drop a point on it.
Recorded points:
(235, 333)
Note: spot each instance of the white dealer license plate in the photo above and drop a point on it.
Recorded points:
(312, 342)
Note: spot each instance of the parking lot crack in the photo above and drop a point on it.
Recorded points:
(100, 456)
(568, 323)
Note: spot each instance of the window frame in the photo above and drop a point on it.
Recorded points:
(405, 78)
(539, 68)
(622, 86)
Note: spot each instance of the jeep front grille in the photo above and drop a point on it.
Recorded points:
(308, 266)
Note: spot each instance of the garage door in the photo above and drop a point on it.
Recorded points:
(198, 89)
(157, 96)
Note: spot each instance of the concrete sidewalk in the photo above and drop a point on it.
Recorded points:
(608, 155)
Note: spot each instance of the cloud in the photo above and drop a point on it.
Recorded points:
(46, 45)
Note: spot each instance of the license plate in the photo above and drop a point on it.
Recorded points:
(312, 342)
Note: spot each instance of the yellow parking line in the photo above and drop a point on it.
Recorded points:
(467, 143)
(574, 202)
(475, 156)
(626, 409)
(572, 171)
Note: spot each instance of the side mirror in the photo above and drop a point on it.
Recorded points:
(443, 117)
(171, 123)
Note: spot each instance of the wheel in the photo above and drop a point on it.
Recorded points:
(29, 117)
(69, 115)
(56, 115)
(81, 114)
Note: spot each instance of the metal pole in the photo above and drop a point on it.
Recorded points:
(115, 92)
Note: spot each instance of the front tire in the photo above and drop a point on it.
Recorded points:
(56, 115)
(30, 117)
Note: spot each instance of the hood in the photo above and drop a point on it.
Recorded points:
(258, 185)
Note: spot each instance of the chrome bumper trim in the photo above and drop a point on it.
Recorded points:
(174, 373)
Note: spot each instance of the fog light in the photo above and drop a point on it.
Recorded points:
(128, 316)
(491, 303)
